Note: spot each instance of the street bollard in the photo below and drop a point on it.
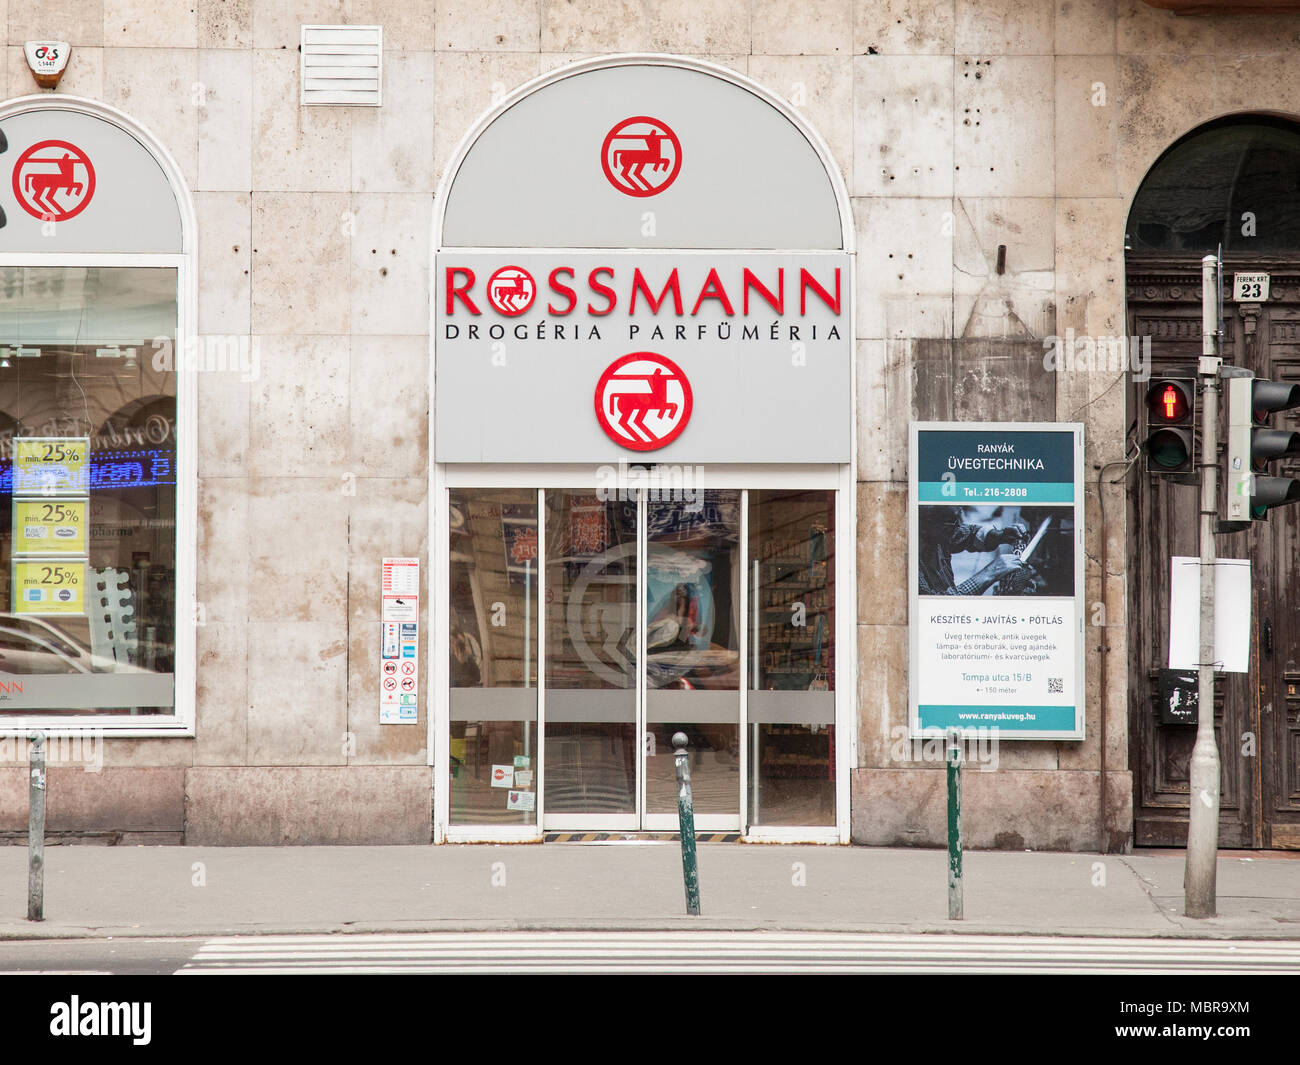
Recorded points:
(954, 761)
(686, 819)
(36, 831)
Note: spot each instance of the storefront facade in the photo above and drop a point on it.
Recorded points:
(606, 332)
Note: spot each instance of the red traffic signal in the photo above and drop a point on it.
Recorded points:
(1169, 401)
(1169, 442)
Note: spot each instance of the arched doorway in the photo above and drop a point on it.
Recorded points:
(1233, 183)
(608, 240)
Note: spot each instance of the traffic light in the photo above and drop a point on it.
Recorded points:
(1170, 443)
(1252, 444)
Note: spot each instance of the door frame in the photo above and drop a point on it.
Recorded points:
(1162, 283)
(840, 478)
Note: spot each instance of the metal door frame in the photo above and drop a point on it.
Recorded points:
(733, 477)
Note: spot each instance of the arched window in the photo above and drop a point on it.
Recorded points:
(1235, 182)
(97, 478)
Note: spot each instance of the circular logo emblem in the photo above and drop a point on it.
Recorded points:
(53, 181)
(643, 401)
(641, 156)
(511, 290)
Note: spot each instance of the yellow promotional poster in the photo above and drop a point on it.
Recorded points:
(50, 465)
(50, 526)
(47, 586)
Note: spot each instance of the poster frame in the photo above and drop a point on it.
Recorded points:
(914, 729)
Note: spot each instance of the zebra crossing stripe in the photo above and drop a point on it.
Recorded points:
(726, 952)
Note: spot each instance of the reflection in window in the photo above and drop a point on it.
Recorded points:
(87, 490)
(492, 640)
(791, 705)
(1235, 182)
(591, 654)
(693, 580)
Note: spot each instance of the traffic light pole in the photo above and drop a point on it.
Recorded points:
(1203, 829)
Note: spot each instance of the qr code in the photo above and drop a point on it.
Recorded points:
(1055, 685)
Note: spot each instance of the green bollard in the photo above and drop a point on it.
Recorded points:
(686, 818)
(954, 761)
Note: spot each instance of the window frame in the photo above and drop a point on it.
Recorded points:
(181, 722)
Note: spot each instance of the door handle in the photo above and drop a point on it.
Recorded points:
(1267, 638)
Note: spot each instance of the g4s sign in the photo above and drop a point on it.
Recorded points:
(47, 60)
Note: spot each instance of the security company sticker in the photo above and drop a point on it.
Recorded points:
(47, 586)
(521, 800)
(503, 776)
(50, 465)
(49, 526)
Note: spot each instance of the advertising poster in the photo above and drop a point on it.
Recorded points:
(996, 579)
(50, 526)
(50, 465)
(47, 586)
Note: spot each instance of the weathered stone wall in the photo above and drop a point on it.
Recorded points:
(959, 126)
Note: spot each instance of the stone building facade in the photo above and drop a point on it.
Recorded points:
(991, 152)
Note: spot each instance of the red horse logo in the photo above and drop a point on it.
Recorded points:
(635, 146)
(640, 386)
(42, 192)
(511, 290)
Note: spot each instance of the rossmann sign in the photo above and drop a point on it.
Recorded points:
(680, 356)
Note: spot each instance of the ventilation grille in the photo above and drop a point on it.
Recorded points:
(341, 65)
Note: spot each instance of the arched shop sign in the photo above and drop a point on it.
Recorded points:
(99, 483)
(79, 163)
(643, 258)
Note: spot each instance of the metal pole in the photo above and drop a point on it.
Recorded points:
(686, 819)
(954, 760)
(1203, 826)
(36, 830)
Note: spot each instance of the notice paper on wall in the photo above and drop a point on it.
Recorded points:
(1231, 614)
(399, 642)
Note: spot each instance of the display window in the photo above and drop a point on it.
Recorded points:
(97, 458)
(88, 467)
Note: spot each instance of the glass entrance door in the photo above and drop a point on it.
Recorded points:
(584, 632)
(592, 672)
(693, 617)
(643, 623)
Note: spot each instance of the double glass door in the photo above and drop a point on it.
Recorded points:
(585, 631)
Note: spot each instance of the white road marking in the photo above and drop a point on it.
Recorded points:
(731, 952)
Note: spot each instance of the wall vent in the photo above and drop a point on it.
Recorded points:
(341, 65)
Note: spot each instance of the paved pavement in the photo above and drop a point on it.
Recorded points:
(197, 891)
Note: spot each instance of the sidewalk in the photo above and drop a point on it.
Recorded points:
(150, 891)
